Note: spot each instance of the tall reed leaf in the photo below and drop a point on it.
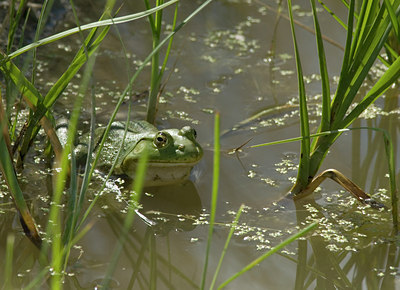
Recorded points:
(302, 177)
(326, 98)
(214, 195)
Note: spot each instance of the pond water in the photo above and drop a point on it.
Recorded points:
(235, 57)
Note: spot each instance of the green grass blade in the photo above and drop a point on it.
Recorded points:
(26, 88)
(344, 78)
(164, 65)
(137, 188)
(326, 98)
(214, 194)
(319, 134)
(361, 65)
(8, 267)
(392, 178)
(275, 249)
(303, 172)
(17, 195)
(333, 14)
(14, 21)
(80, 59)
(393, 18)
(128, 89)
(388, 78)
(54, 225)
(228, 239)
(107, 22)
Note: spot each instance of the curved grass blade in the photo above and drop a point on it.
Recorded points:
(137, 188)
(228, 239)
(107, 22)
(275, 249)
(127, 90)
(28, 223)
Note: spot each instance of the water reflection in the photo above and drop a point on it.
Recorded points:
(319, 266)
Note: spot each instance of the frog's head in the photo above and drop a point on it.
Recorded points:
(171, 155)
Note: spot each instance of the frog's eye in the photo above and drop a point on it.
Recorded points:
(160, 140)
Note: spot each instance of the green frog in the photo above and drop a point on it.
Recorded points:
(172, 152)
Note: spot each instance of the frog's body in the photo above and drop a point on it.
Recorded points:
(172, 152)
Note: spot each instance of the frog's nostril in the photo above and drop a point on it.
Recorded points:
(181, 148)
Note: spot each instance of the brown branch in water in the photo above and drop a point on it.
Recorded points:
(4, 129)
(350, 186)
(50, 132)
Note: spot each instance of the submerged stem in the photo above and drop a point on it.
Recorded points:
(340, 178)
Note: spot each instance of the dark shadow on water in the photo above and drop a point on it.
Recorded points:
(173, 207)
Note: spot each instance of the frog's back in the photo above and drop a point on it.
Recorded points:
(136, 131)
(139, 126)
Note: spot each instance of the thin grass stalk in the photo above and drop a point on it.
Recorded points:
(85, 184)
(343, 80)
(8, 266)
(21, 40)
(326, 98)
(140, 259)
(228, 239)
(275, 249)
(127, 89)
(107, 22)
(301, 267)
(153, 262)
(155, 72)
(392, 178)
(137, 189)
(303, 172)
(167, 53)
(13, 24)
(75, 200)
(214, 194)
(54, 226)
(46, 8)
(15, 18)
(88, 164)
(71, 212)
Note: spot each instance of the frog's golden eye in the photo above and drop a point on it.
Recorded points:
(160, 140)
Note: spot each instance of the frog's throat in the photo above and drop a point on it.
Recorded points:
(171, 164)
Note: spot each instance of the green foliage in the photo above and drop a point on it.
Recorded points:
(364, 42)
